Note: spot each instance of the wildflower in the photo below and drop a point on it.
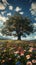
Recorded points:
(22, 53)
(3, 61)
(16, 52)
(24, 50)
(28, 56)
(33, 61)
(31, 49)
(29, 63)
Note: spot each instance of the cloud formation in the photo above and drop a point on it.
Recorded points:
(18, 9)
(33, 9)
(5, 2)
(34, 24)
(21, 13)
(33, 6)
(3, 12)
(35, 19)
(2, 7)
(10, 7)
(9, 14)
(2, 18)
(35, 37)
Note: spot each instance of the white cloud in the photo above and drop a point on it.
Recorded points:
(34, 24)
(10, 7)
(8, 14)
(34, 37)
(0, 34)
(33, 6)
(3, 12)
(21, 13)
(30, 37)
(26, 38)
(18, 9)
(35, 19)
(5, 18)
(5, 2)
(14, 32)
(2, 7)
(33, 12)
(33, 9)
(2, 18)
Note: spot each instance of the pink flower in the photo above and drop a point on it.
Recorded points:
(22, 54)
(33, 61)
(29, 63)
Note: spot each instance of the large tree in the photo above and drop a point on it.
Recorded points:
(18, 23)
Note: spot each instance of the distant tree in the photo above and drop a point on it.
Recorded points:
(19, 24)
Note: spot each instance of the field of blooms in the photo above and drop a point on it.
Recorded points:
(17, 53)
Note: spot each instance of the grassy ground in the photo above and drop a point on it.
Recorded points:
(10, 42)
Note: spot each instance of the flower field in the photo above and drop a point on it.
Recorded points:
(17, 53)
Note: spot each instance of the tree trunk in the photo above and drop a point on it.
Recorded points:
(19, 37)
(19, 33)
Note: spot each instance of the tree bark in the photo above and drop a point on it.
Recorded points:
(19, 37)
(19, 33)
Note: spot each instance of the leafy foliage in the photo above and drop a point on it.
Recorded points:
(19, 24)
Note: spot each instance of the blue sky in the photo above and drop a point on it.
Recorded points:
(24, 7)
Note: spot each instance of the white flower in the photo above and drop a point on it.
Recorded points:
(28, 56)
(30, 50)
(16, 52)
